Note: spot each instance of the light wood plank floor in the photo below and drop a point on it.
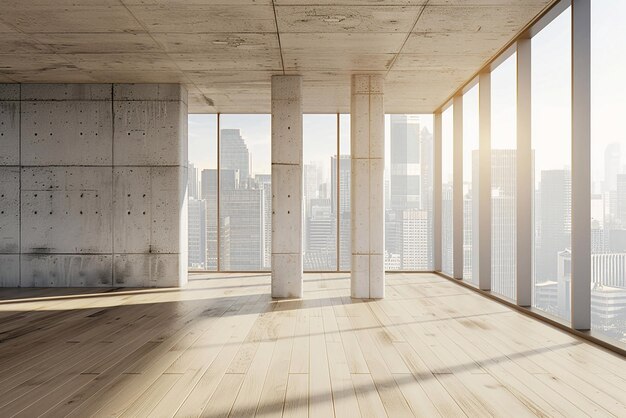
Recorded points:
(222, 348)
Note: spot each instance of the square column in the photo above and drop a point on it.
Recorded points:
(524, 181)
(457, 191)
(286, 186)
(581, 166)
(367, 193)
(482, 231)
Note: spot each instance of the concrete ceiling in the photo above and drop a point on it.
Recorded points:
(226, 50)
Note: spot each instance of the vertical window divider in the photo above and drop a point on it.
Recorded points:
(525, 178)
(337, 198)
(484, 182)
(580, 303)
(219, 188)
(457, 191)
(437, 191)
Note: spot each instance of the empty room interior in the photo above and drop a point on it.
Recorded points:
(295, 208)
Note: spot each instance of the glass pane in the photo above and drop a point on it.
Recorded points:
(447, 184)
(470, 184)
(408, 192)
(551, 142)
(503, 177)
(345, 246)
(245, 192)
(202, 191)
(608, 172)
(320, 191)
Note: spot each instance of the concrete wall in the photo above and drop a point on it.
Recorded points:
(93, 185)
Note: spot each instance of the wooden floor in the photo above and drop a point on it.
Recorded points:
(222, 347)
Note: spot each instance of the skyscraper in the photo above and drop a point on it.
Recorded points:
(344, 206)
(209, 194)
(192, 179)
(612, 161)
(234, 154)
(197, 234)
(344, 183)
(554, 224)
(503, 221)
(409, 193)
(405, 158)
(244, 209)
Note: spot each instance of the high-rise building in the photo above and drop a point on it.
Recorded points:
(344, 183)
(321, 251)
(503, 221)
(553, 224)
(197, 234)
(344, 205)
(244, 209)
(264, 182)
(612, 165)
(415, 240)
(405, 159)
(234, 154)
(208, 183)
(192, 180)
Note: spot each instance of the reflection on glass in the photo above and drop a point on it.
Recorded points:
(447, 185)
(608, 170)
(245, 192)
(408, 192)
(503, 177)
(202, 188)
(320, 192)
(551, 143)
(470, 184)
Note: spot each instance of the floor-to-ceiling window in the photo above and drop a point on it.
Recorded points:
(202, 192)
(608, 169)
(551, 144)
(241, 240)
(503, 176)
(320, 192)
(245, 196)
(470, 184)
(447, 186)
(408, 192)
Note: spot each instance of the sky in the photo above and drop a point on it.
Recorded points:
(551, 112)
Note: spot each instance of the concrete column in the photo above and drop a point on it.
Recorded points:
(525, 186)
(457, 192)
(286, 186)
(437, 203)
(367, 192)
(581, 165)
(483, 231)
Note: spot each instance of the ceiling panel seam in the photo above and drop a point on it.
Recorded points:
(280, 48)
(188, 81)
(408, 35)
